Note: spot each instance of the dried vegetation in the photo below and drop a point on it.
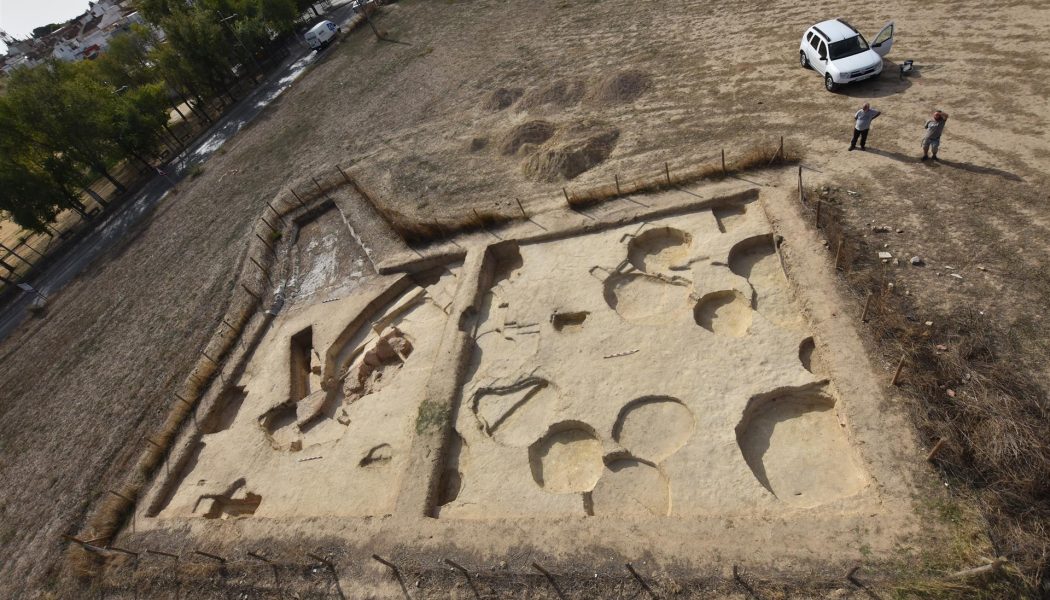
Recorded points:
(987, 419)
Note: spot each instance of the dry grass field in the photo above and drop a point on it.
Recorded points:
(482, 103)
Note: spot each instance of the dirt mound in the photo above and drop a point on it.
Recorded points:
(620, 88)
(561, 93)
(530, 132)
(502, 98)
(572, 157)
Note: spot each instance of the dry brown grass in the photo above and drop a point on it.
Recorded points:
(416, 232)
(754, 158)
(963, 387)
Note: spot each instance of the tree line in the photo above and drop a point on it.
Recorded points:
(65, 125)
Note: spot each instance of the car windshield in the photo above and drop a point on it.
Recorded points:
(848, 47)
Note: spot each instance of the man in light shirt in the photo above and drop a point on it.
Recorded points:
(931, 140)
(861, 125)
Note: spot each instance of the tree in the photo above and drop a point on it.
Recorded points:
(199, 49)
(59, 108)
(34, 185)
(141, 116)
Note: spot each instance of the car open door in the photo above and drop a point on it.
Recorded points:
(884, 41)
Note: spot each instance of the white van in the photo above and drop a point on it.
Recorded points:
(321, 35)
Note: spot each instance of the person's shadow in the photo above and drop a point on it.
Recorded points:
(979, 170)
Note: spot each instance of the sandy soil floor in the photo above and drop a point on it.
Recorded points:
(81, 387)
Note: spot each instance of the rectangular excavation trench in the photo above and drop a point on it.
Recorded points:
(659, 369)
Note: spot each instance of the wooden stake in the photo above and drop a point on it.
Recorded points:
(343, 173)
(616, 176)
(566, 192)
(667, 173)
(265, 243)
(936, 449)
(724, 172)
(161, 553)
(521, 208)
(129, 501)
(275, 211)
(211, 556)
(641, 582)
(253, 294)
(992, 567)
(838, 252)
(867, 305)
(818, 213)
(801, 195)
(897, 373)
(303, 204)
(265, 274)
(272, 228)
(386, 562)
(319, 188)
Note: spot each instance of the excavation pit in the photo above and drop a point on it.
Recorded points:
(612, 377)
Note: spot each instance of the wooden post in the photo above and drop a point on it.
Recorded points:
(129, 501)
(780, 151)
(990, 568)
(867, 305)
(272, 228)
(936, 449)
(897, 373)
(253, 294)
(265, 243)
(838, 252)
(265, 274)
(303, 204)
(319, 188)
(275, 211)
(162, 553)
(616, 176)
(801, 194)
(667, 173)
(566, 192)
(211, 556)
(641, 582)
(724, 172)
(343, 173)
(818, 213)
(521, 208)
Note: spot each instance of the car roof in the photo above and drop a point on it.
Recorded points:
(318, 27)
(834, 30)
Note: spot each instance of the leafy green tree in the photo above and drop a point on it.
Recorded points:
(34, 185)
(199, 48)
(62, 110)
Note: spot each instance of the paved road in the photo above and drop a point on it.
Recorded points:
(138, 208)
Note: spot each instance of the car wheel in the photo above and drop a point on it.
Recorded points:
(802, 60)
(829, 83)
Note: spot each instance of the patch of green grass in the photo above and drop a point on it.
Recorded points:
(432, 416)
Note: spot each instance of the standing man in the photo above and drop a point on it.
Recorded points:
(862, 123)
(932, 140)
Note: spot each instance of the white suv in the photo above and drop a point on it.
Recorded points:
(839, 52)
